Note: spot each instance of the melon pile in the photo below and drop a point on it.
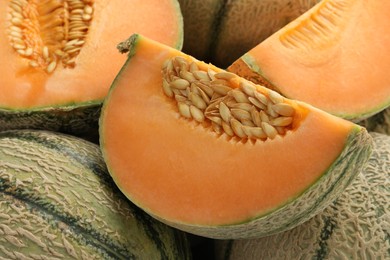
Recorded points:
(191, 129)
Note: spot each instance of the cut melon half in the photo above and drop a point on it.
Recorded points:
(59, 58)
(213, 154)
(335, 57)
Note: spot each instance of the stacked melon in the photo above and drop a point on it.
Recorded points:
(195, 149)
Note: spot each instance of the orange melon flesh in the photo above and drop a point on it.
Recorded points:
(335, 57)
(23, 87)
(181, 171)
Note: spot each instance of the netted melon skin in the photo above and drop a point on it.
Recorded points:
(57, 201)
(338, 176)
(79, 120)
(355, 226)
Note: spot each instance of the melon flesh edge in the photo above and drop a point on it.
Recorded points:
(147, 57)
(312, 201)
(334, 57)
(98, 60)
(355, 226)
(248, 67)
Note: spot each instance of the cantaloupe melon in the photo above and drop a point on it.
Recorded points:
(213, 154)
(355, 226)
(57, 201)
(335, 56)
(58, 58)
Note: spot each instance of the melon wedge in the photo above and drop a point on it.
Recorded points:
(335, 57)
(183, 150)
(59, 58)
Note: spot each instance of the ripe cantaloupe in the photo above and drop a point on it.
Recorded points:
(213, 154)
(335, 56)
(221, 31)
(355, 226)
(58, 58)
(57, 201)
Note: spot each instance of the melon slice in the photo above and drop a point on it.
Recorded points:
(355, 226)
(213, 154)
(335, 57)
(59, 58)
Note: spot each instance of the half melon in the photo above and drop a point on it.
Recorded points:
(335, 57)
(213, 154)
(59, 58)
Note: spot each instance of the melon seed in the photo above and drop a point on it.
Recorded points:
(237, 110)
(45, 28)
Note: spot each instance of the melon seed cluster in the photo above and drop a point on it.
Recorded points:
(233, 105)
(50, 31)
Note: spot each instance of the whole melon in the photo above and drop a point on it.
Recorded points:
(57, 201)
(355, 226)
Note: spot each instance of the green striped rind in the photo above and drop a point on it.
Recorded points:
(57, 200)
(379, 123)
(355, 226)
(77, 119)
(332, 183)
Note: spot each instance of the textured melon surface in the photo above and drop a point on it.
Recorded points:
(57, 201)
(81, 120)
(355, 226)
(212, 183)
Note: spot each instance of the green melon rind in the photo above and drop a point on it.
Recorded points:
(249, 61)
(327, 188)
(77, 119)
(355, 226)
(180, 40)
(57, 199)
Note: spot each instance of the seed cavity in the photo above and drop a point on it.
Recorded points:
(50, 32)
(228, 103)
